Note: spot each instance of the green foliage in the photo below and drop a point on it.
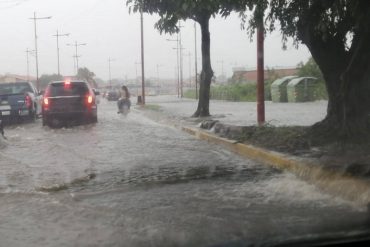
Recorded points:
(87, 75)
(45, 79)
(171, 11)
(310, 68)
(234, 92)
(326, 19)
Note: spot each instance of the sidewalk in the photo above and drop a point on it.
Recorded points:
(245, 113)
(348, 180)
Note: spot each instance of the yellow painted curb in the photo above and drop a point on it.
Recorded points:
(346, 186)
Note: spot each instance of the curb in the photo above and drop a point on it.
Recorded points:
(334, 182)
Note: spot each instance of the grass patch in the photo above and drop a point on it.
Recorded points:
(283, 139)
(299, 140)
(234, 92)
(152, 107)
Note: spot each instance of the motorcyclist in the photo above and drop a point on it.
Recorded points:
(124, 98)
(1, 127)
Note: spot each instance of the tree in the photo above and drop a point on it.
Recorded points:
(310, 68)
(86, 74)
(337, 33)
(171, 11)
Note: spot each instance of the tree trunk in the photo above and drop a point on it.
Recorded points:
(347, 78)
(207, 72)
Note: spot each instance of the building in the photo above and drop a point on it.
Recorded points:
(16, 78)
(250, 75)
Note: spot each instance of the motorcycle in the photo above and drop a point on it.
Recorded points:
(2, 129)
(123, 106)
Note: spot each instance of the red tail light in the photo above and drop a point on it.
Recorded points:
(89, 99)
(46, 101)
(28, 101)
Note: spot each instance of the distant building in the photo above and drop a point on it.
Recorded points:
(16, 78)
(250, 75)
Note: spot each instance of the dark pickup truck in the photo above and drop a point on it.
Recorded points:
(19, 100)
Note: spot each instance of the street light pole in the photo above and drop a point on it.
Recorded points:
(110, 77)
(222, 66)
(177, 62)
(260, 74)
(36, 50)
(196, 60)
(189, 56)
(158, 65)
(181, 63)
(28, 63)
(57, 36)
(142, 58)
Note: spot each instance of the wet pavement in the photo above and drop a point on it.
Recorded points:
(129, 181)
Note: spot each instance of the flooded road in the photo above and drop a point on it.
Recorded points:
(133, 182)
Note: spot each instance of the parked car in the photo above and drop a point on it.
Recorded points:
(112, 95)
(69, 101)
(19, 100)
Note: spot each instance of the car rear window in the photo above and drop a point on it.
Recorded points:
(15, 88)
(74, 89)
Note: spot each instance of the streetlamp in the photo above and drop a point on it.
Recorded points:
(28, 62)
(36, 50)
(142, 58)
(110, 77)
(196, 60)
(76, 45)
(181, 86)
(223, 77)
(189, 56)
(177, 62)
(57, 36)
(158, 65)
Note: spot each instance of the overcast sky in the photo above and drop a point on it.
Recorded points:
(110, 31)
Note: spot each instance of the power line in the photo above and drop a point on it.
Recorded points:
(76, 56)
(57, 36)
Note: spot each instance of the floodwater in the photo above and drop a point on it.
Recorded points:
(129, 181)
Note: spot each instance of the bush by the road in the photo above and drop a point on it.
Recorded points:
(248, 92)
(234, 92)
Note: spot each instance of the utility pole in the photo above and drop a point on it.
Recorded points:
(222, 75)
(76, 45)
(196, 60)
(181, 63)
(28, 62)
(36, 50)
(222, 66)
(189, 55)
(57, 36)
(157, 88)
(142, 58)
(260, 73)
(136, 64)
(177, 62)
(110, 76)
(158, 65)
